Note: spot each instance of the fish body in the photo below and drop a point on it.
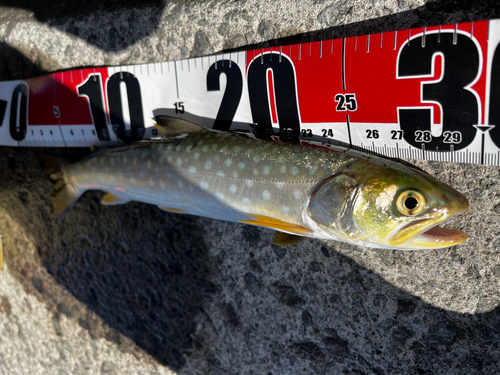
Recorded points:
(300, 191)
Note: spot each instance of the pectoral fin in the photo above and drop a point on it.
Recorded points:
(171, 209)
(111, 199)
(269, 222)
(285, 239)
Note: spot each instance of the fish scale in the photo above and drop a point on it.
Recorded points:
(203, 174)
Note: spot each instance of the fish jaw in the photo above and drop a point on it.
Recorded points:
(426, 234)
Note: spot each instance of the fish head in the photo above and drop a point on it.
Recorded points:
(387, 205)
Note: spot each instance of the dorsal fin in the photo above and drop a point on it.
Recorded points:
(173, 126)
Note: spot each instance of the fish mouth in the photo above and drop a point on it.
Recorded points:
(426, 233)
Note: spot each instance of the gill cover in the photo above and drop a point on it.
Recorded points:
(332, 199)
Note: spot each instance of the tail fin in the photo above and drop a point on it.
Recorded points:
(65, 195)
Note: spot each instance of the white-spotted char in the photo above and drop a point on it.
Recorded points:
(295, 190)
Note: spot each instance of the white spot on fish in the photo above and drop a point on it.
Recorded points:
(266, 170)
(208, 165)
(220, 196)
(283, 169)
(241, 165)
(229, 161)
(256, 158)
(204, 185)
(204, 148)
(196, 155)
(249, 183)
(217, 158)
(151, 182)
(237, 148)
(280, 184)
(285, 209)
(179, 162)
(169, 159)
(232, 188)
(297, 194)
(163, 186)
(266, 195)
(255, 172)
(180, 183)
(235, 174)
(246, 201)
(169, 147)
(190, 187)
(141, 173)
(295, 170)
(312, 170)
(192, 169)
(220, 174)
(134, 160)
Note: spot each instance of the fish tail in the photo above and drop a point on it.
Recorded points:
(65, 195)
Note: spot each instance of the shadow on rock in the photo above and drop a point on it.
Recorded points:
(14, 65)
(143, 272)
(115, 24)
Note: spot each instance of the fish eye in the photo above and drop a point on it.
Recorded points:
(410, 203)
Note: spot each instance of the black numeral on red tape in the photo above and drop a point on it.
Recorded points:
(346, 102)
(459, 106)
(494, 115)
(133, 89)
(92, 88)
(285, 93)
(19, 112)
(232, 94)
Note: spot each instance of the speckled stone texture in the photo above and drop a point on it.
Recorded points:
(134, 290)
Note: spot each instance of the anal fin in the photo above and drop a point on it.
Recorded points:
(270, 222)
(172, 209)
(285, 239)
(111, 199)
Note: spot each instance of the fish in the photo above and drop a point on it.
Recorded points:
(298, 192)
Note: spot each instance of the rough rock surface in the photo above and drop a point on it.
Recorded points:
(131, 289)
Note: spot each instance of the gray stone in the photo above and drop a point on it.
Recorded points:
(332, 14)
(201, 44)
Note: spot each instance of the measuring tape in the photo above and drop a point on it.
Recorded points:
(429, 93)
